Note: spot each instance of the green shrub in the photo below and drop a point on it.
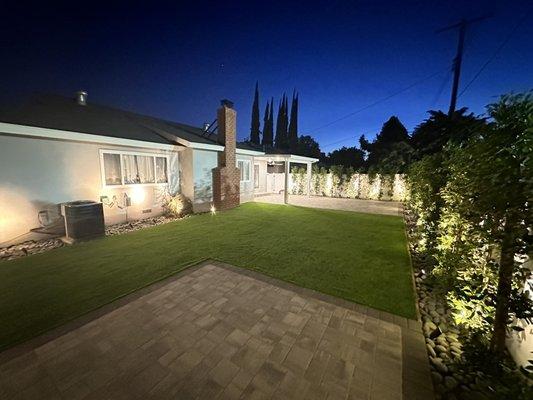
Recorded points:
(473, 204)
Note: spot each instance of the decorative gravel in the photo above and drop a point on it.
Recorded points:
(443, 339)
(40, 246)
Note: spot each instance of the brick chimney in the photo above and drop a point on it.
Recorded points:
(226, 176)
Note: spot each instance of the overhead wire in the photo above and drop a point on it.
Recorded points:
(376, 102)
(497, 51)
(383, 99)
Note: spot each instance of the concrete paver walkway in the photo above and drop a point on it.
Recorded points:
(218, 332)
(335, 203)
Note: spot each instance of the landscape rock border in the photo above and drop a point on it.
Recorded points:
(40, 246)
(444, 343)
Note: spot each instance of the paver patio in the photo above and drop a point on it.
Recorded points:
(215, 331)
(335, 203)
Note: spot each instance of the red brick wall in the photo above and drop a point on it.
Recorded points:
(226, 176)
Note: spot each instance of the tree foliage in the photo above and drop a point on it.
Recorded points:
(471, 189)
(348, 157)
(386, 145)
(282, 134)
(293, 124)
(255, 126)
(435, 132)
(268, 125)
(307, 146)
(286, 134)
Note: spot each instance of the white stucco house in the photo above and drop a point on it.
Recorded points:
(55, 149)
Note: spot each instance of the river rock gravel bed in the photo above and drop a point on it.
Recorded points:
(40, 246)
(443, 339)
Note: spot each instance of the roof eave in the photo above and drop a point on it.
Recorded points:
(249, 152)
(57, 134)
(290, 157)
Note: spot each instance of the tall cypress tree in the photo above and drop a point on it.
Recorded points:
(271, 122)
(254, 131)
(285, 122)
(293, 125)
(267, 125)
(279, 127)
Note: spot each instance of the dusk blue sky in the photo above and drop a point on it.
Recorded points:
(178, 61)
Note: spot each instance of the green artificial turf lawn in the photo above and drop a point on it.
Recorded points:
(359, 257)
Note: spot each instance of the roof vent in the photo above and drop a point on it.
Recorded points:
(81, 98)
(206, 126)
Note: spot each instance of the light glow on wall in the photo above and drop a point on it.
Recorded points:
(16, 214)
(3, 221)
(137, 195)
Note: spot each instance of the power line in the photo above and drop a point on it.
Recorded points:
(441, 88)
(498, 49)
(338, 141)
(372, 105)
(458, 60)
(502, 45)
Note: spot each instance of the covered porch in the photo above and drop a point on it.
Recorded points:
(271, 177)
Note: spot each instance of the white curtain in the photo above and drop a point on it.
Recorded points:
(161, 170)
(138, 169)
(112, 169)
(244, 166)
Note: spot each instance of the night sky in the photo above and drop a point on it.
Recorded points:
(178, 61)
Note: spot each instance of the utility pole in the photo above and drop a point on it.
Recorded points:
(458, 60)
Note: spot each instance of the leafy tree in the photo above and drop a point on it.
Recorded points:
(293, 125)
(429, 175)
(396, 161)
(254, 131)
(495, 170)
(473, 207)
(426, 178)
(391, 133)
(348, 157)
(435, 132)
(268, 124)
(307, 146)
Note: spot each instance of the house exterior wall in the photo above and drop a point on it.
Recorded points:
(203, 162)
(36, 173)
(261, 185)
(186, 173)
(275, 182)
(247, 187)
(196, 168)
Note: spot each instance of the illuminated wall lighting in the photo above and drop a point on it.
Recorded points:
(137, 195)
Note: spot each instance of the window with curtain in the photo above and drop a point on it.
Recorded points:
(161, 170)
(244, 167)
(112, 169)
(138, 169)
(133, 169)
(256, 176)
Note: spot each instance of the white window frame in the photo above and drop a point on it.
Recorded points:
(248, 162)
(132, 153)
(256, 181)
